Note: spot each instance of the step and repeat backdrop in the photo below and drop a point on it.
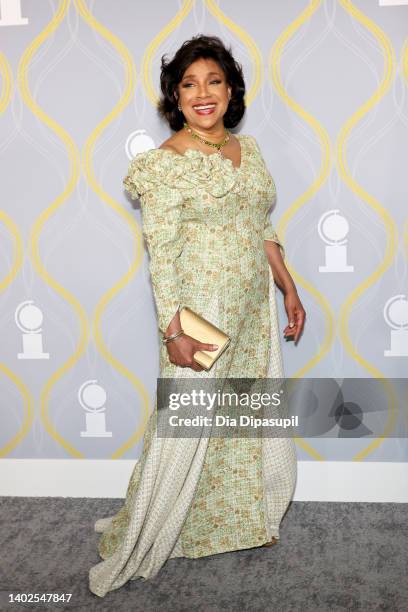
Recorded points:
(327, 100)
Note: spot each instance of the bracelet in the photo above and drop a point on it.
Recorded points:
(167, 339)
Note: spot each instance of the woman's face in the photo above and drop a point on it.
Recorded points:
(204, 94)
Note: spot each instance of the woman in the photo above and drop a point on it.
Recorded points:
(205, 197)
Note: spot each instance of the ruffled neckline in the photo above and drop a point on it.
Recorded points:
(218, 156)
(188, 171)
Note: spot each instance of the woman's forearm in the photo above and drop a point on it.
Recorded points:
(279, 271)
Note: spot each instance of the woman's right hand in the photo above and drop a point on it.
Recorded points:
(181, 351)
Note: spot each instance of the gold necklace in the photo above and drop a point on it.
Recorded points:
(216, 145)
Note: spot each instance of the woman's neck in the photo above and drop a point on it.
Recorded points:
(214, 133)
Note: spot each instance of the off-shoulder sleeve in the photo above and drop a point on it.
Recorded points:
(161, 207)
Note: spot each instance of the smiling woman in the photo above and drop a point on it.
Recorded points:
(212, 248)
(220, 74)
(207, 96)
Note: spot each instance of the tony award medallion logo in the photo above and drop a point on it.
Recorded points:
(92, 398)
(28, 319)
(396, 316)
(138, 142)
(333, 229)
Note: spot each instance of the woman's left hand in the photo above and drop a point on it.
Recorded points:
(296, 314)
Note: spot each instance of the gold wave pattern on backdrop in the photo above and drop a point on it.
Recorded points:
(389, 223)
(41, 221)
(17, 262)
(85, 160)
(214, 9)
(134, 228)
(281, 226)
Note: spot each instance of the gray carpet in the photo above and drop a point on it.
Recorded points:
(331, 557)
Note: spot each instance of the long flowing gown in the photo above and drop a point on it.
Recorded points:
(205, 222)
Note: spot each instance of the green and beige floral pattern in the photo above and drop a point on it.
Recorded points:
(205, 223)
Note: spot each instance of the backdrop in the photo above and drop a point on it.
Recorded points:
(327, 102)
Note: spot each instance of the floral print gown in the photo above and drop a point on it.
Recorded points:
(205, 222)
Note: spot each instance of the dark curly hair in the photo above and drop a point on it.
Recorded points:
(195, 48)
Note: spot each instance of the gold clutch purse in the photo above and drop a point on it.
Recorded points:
(197, 327)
